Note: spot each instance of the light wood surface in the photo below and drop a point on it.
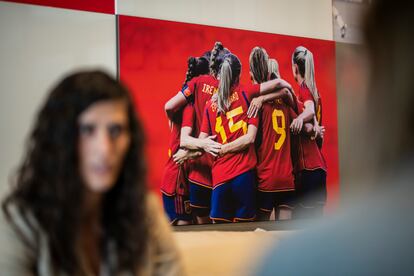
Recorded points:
(224, 252)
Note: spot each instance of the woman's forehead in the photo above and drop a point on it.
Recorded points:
(107, 110)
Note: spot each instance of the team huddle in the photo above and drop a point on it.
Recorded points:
(238, 152)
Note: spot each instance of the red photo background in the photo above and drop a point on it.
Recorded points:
(153, 62)
(102, 6)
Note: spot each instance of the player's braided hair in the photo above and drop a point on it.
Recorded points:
(196, 66)
(191, 63)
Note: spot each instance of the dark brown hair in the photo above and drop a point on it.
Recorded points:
(258, 63)
(217, 57)
(48, 185)
(197, 66)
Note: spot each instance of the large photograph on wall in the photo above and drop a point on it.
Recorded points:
(240, 125)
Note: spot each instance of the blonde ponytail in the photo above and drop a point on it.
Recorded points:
(310, 76)
(229, 77)
(223, 102)
(273, 69)
(303, 58)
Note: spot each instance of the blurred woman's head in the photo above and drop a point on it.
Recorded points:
(86, 141)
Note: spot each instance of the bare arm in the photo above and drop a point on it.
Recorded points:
(306, 116)
(314, 131)
(174, 104)
(187, 141)
(319, 132)
(202, 135)
(308, 129)
(274, 85)
(240, 143)
(256, 103)
(183, 154)
(206, 143)
(308, 113)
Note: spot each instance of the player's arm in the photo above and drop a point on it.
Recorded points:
(257, 103)
(240, 143)
(273, 86)
(308, 129)
(314, 130)
(206, 143)
(184, 154)
(306, 116)
(174, 104)
(319, 132)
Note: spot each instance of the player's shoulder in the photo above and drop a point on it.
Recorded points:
(242, 87)
(244, 93)
(195, 80)
(249, 89)
(207, 78)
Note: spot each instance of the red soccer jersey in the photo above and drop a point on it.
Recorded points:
(199, 92)
(228, 127)
(172, 170)
(310, 156)
(275, 169)
(305, 95)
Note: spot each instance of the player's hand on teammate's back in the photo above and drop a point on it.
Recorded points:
(296, 125)
(255, 106)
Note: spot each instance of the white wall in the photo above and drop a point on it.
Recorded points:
(306, 18)
(38, 46)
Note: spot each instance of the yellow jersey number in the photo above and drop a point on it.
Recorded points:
(232, 126)
(280, 129)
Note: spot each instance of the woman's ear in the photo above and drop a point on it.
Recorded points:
(295, 71)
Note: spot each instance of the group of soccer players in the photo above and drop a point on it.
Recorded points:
(240, 151)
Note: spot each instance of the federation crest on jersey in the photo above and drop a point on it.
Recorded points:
(187, 92)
